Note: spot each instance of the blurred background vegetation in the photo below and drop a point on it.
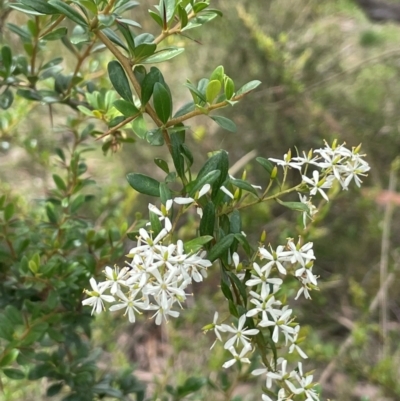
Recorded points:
(327, 72)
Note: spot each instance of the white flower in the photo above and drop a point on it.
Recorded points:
(164, 209)
(264, 303)
(162, 310)
(217, 328)
(306, 272)
(96, 297)
(302, 255)
(240, 333)
(204, 190)
(130, 304)
(279, 322)
(312, 210)
(186, 201)
(286, 162)
(294, 345)
(275, 257)
(183, 201)
(306, 385)
(237, 357)
(317, 185)
(227, 192)
(262, 276)
(116, 278)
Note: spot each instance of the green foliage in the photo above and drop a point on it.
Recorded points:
(50, 248)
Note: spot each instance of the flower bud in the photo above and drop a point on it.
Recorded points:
(274, 172)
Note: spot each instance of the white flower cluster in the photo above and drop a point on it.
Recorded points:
(266, 310)
(337, 163)
(155, 279)
(295, 382)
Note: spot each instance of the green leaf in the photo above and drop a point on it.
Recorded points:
(213, 88)
(143, 51)
(149, 81)
(240, 286)
(235, 222)
(6, 57)
(245, 243)
(165, 54)
(156, 225)
(106, 20)
(162, 164)
(201, 19)
(129, 22)
(140, 73)
(225, 123)
(229, 88)
(162, 102)
(14, 315)
(139, 127)
(155, 137)
(15, 374)
(54, 389)
(221, 247)
(218, 74)
(114, 38)
(200, 6)
(6, 99)
(183, 17)
(209, 178)
(119, 80)
(179, 162)
(90, 5)
(196, 244)
(169, 9)
(207, 222)
(299, 206)
(186, 108)
(156, 17)
(165, 193)
(59, 182)
(8, 357)
(24, 9)
(268, 166)
(29, 94)
(21, 32)
(68, 11)
(128, 35)
(191, 385)
(128, 109)
(195, 92)
(248, 87)
(144, 184)
(215, 162)
(39, 371)
(41, 6)
(9, 211)
(56, 34)
(244, 185)
(225, 287)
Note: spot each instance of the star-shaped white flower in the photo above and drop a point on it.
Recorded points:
(96, 297)
(240, 333)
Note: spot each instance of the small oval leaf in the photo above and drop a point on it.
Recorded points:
(119, 80)
(225, 123)
(162, 102)
(144, 184)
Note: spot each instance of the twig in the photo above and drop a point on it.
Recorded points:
(117, 127)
